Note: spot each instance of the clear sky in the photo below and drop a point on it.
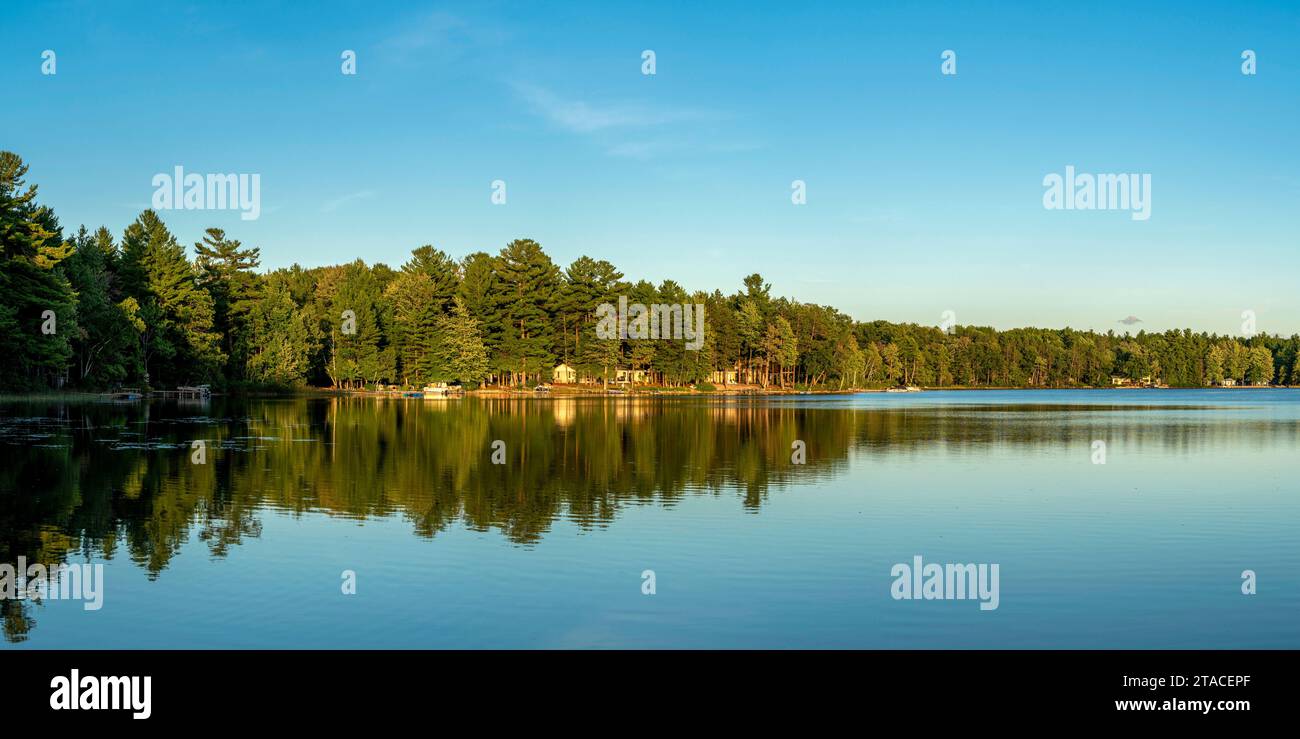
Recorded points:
(924, 191)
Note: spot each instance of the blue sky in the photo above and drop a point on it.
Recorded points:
(924, 190)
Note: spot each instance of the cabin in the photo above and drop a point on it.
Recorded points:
(1145, 381)
(625, 375)
(1229, 382)
(563, 374)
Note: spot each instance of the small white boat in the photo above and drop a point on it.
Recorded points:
(443, 391)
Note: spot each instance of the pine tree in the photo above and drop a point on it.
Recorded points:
(411, 296)
(106, 339)
(225, 270)
(442, 272)
(478, 290)
(357, 355)
(37, 303)
(1260, 366)
(528, 280)
(178, 344)
(464, 356)
(587, 283)
(279, 339)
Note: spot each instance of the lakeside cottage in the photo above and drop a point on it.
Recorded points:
(566, 374)
(624, 375)
(1145, 381)
(563, 374)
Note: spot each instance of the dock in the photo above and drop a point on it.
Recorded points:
(184, 392)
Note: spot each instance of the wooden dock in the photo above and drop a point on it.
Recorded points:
(184, 392)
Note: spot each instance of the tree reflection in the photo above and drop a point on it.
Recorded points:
(93, 479)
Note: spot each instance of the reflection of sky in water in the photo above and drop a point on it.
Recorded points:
(1144, 551)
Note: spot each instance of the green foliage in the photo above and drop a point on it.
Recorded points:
(142, 313)
(279, 339)
(179, 344)
(463, 356)
(528, 282)
(108, 324)
(225, 270)
(37, 302)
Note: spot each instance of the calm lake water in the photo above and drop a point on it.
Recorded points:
(747, 549)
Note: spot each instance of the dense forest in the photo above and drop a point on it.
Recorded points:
(91, 311)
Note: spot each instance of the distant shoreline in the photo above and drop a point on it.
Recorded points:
(567, 392)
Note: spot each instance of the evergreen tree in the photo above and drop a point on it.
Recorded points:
(225, 270)
(107, 338)
(528, 281)
(1260, 366)
(37, 303)
(411, 295)
(357, 355)
(100, 314)
(442, 272)
(464, 356)
(179, 344)
(587, 283)
(479, 291)
(279, 339)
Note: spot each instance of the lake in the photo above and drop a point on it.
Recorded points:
(250, 537)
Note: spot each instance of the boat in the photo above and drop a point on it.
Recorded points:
(542, 389)
(412, 394)
(441, 391)
(908, 389)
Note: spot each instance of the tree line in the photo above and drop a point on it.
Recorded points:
(95, 311)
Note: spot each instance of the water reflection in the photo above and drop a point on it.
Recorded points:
(104, 480)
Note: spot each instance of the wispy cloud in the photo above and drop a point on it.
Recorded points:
(438, 36)
(434, 29)
(1130, 320)
(332, 205)
(580, 116)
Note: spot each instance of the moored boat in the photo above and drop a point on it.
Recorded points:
(440, 391)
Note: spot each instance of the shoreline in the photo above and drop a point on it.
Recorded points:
(570, 392)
